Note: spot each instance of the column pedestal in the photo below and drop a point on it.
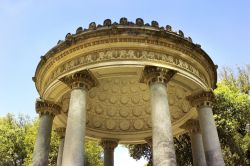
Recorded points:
(108, 147)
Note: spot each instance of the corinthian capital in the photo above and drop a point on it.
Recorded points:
(200, 99)
(47, 107)
(60, 132)
(192, 126)
(152, 74)
(82, 79)
(109, 143)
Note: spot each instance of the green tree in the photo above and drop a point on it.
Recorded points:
(30, 140)
(93, 153)
(17, 139)
(232, 115)
(12, 134)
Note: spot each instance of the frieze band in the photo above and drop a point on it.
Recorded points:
(123, 54)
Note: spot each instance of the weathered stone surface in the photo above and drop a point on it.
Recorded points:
(210, 137)
(60, 152)
(197, 149)
(163, 145)
(73, 152)
(41, 150)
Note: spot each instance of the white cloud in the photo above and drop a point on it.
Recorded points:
(122, 158)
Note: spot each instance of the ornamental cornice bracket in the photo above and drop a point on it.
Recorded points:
(152, 74)
(47, 107)
(109, 143)
(82, 79)
(60, 132)
(192, 125)
(201, 99)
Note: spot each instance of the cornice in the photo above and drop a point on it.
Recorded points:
(132, 30)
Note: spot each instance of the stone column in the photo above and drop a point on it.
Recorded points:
(163, 145)
(203, 102)
(47, 110)
(108, 146)
(80, 83)
(196, 142)
(61, 134)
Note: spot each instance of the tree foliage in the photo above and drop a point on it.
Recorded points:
(17, 139)
(93, 153)
(232, 115)
(12, 134)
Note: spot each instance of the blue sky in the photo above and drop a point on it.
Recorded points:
(29, 28)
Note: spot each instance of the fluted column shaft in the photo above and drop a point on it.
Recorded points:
(163, 145)
(109, 147)
(47, 111)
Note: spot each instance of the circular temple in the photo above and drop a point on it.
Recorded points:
(117, 55)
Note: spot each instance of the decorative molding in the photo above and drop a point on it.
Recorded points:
(110, 144)
(202, 99)
(152, 74)
(121, 54)
(192, 125)
(82, 79)
(47, 107)
(61, 132)
(96, 57)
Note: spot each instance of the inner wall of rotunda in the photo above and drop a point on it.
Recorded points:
(119, 107)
